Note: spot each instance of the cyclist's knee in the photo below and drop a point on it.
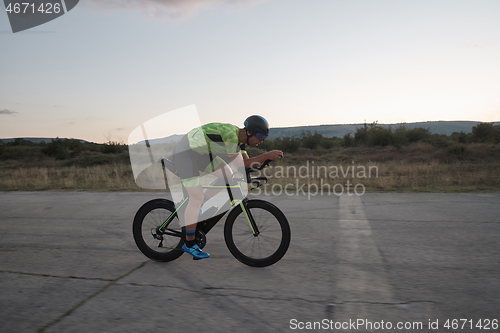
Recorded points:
(196, 195)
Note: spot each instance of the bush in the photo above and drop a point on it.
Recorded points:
(91, 158)
(21, 142)
(267, 145)
(329, 143)
(287, 144)
(310, 141)
(347, 141)
(458, 149)
(438, 140)
(461, 137)
(400, 136)
(57, 149)
(113, 147)
(373, 135)
(486, 132)
(418, 134)
(380, 136)
(361, 135)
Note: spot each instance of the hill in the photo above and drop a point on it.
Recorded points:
(36, 140)
(435, 127)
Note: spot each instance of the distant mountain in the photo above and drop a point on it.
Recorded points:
(168, 139)
(435, 127)
(38, 140)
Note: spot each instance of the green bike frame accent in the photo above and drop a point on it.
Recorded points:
(169, 219)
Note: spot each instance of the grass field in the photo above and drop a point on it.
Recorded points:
(418, 167)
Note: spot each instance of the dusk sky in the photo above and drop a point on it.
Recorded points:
(106, 67)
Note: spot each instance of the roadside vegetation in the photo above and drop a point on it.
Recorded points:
(401, 160)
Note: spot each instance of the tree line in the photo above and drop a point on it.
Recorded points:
(374, 135)
(62, 149)
(369, 135)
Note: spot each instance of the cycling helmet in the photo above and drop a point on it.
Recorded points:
(258, 126)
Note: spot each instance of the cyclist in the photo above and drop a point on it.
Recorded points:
(206, 149)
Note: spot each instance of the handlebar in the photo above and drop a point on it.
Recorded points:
(260, 167)
(257, 181)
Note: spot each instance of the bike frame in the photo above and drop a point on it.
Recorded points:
(206, 225)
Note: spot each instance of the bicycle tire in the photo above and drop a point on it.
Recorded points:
(146, 221)
(262, 250)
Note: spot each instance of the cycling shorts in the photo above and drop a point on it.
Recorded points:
(191, 165)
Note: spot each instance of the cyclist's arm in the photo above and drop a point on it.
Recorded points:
(253, 161)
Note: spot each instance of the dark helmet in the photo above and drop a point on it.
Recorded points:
(257, 124)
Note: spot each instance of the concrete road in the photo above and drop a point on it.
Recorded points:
(68, 263)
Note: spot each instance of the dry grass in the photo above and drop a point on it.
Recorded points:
(392, 176)
(416, 168)
(115, 177)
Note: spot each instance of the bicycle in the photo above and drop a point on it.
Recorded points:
(256, 232)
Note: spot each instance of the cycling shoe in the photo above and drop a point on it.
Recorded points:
(195, 251)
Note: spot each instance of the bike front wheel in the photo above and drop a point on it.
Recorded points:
(264, 246)
(157, 232)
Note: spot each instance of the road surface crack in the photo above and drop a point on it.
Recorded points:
(85, 300)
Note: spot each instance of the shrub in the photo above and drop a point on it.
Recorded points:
(373, 135)
(347, 141)
(310, 141)
(57, 149)
(418, 134)
(361, 135)
(266, 145)
(113, 147)
(458, 149)
(485, 132)
(21, 142)
(287, 144)
(380, 136)
(461, 137)
(400, 136)
(329, 143)
(438, 140)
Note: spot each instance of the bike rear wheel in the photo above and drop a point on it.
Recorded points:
(262, 249)
(156, 244)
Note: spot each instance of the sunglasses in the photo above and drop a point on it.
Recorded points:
(261, 136)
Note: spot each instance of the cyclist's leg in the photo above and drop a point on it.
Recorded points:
(193, 209)
(189, 164)
(191, 216)
(221, 172)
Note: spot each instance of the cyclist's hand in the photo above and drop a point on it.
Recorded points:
(274, 154)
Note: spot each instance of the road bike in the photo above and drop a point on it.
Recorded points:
(256, 232)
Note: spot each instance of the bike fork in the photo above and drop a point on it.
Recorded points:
(250, 219)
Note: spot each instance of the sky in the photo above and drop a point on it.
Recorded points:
(106, 67)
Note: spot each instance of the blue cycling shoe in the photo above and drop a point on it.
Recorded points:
(195, 251)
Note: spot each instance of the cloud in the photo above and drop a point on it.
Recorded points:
(8, 112)
(171, 9)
